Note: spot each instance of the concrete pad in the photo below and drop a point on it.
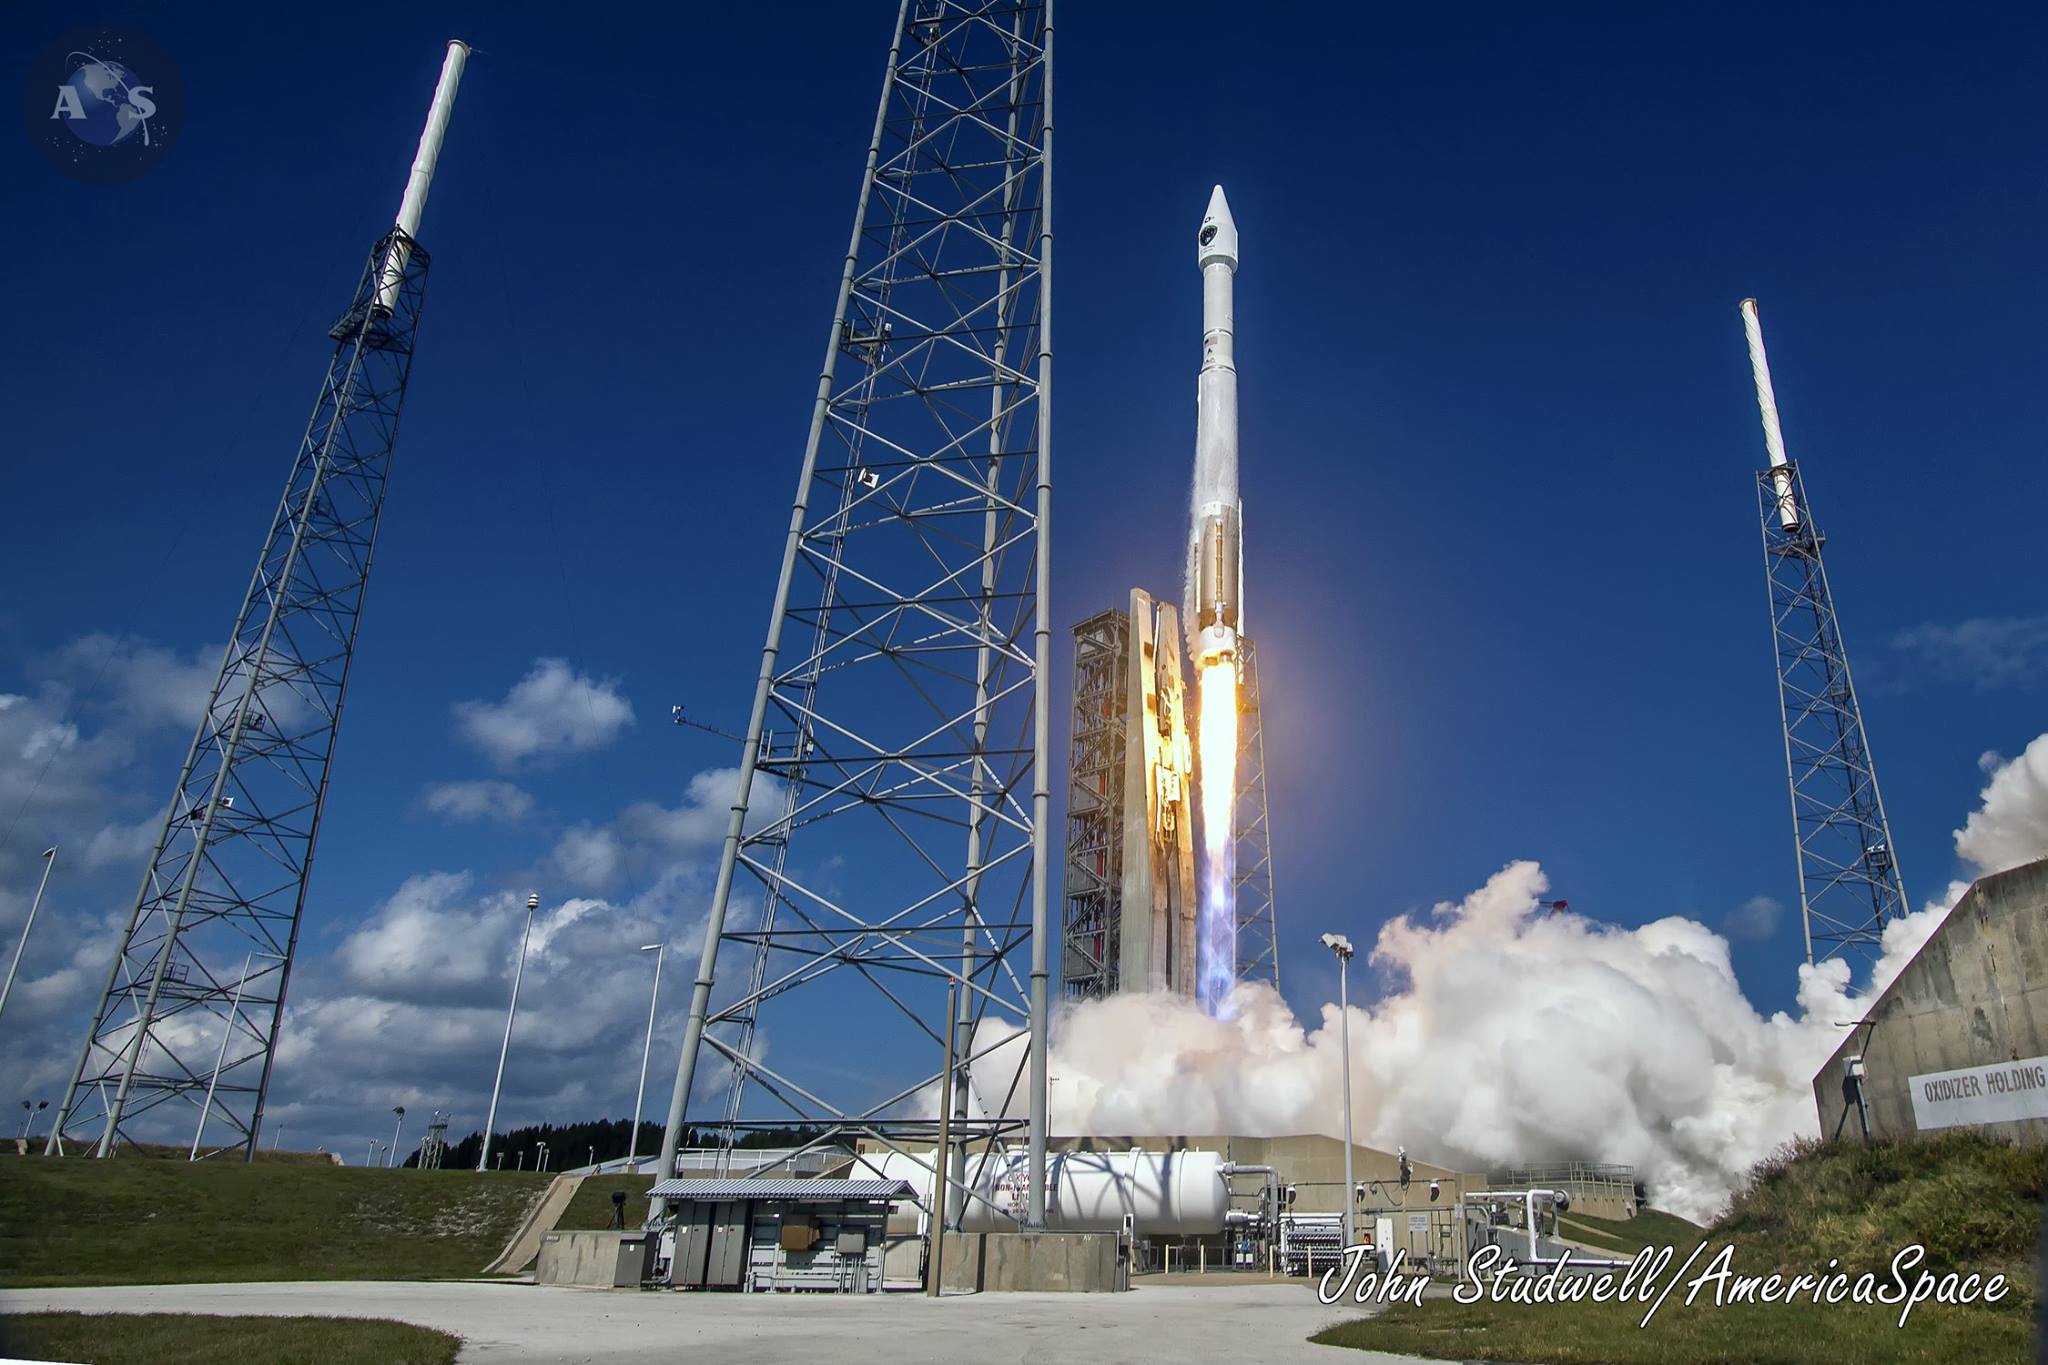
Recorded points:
(501, 1323)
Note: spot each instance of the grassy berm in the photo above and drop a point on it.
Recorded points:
(73, 1220)
(1974, 1203)
(194, 1339)
(592, 1206)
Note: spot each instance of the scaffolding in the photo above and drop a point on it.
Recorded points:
(1091, 927)
(892, 796)
(191, 1009)
(1849, 886)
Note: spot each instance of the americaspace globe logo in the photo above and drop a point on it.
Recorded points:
(104, 103)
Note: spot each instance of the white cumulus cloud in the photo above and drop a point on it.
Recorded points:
(486, 800)
(552, 711)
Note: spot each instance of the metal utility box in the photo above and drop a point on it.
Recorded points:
(776, 1234)
(636, 1260)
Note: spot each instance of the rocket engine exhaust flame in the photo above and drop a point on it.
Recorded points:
(1215, 603)
(1216, 746)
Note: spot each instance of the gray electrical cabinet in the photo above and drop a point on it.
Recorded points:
(636, 1260)
(726, 1259)
(693, 1245)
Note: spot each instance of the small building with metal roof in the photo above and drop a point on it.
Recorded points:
(760, 1235)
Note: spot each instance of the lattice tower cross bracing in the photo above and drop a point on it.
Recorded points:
(193, 1003)
(888, 836)
(1849, 884)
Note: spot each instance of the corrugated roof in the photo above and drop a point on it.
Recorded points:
(701, 1190)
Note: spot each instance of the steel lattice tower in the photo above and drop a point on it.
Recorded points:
(1258, 932)
(888, 838)
(1091, 926)
(1849, 886)
(193, 1003)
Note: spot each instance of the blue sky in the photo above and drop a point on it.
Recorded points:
(1498, 437)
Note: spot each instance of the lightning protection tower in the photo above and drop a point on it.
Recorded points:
(1849, 886)
(888, 836)
(1258, 932)
(192, 1005)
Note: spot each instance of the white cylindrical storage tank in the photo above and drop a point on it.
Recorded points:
(1164, 1193)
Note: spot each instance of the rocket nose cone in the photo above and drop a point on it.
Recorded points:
(1218, 238)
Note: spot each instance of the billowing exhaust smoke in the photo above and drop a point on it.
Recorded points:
(1506, 1033)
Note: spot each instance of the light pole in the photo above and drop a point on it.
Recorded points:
(277, 1138)
(28, 1115)
(371, 1159)
(1341, 946)
(633, 1138)
(483, 1153)
(49, 861)
(540, 1159)
(399, 1110)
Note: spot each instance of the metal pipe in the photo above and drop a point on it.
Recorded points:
(646, 1050)
(49, 861)
(490, 1122)
(1767, 407)
(1344, 1031)
(1041, 721)
(421, 179)
(942, 1172)
(771, 649)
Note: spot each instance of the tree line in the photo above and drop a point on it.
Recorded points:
(593, 1140)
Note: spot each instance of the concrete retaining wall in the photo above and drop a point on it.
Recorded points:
(578, 1258)
(1075, 1262)
(1976, 994)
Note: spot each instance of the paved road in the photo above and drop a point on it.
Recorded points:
(507, 1322)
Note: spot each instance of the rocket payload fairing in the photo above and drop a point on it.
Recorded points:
(1216, 568)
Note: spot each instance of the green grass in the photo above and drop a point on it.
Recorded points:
(75, 1221)
(1972, 1201)
(592, 1205)
(157, 1151)
(192, 1339)
(1773, 1334)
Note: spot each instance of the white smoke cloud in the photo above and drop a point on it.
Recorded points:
(2010, 824)
(1505, 1035)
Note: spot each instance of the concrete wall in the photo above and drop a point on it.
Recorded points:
(1976, 994)
(578, 1258)
(1072, 1262)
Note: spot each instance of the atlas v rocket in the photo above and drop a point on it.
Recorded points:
(1216, 573)
(1160, 931)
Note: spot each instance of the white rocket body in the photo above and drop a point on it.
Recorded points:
(1216, 576)
(1767, 409)
(414, 204)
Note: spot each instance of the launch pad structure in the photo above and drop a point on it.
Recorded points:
(1129, 916)
(887, 845)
